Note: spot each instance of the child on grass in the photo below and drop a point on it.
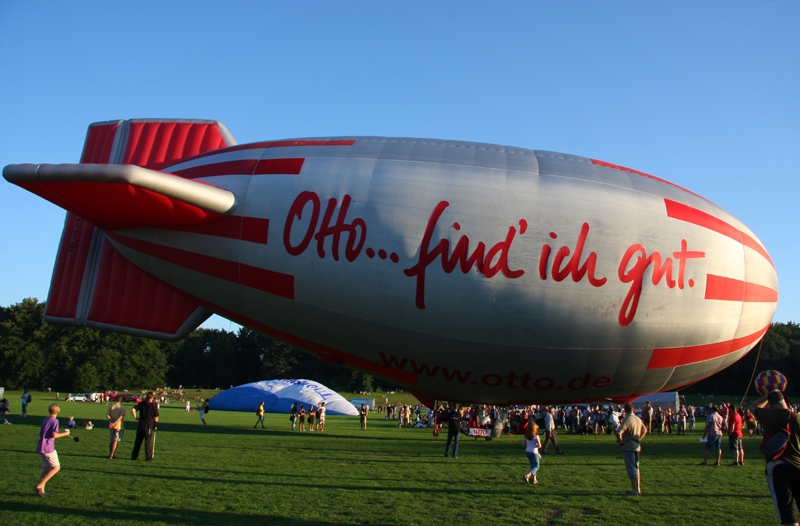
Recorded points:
(46, 448)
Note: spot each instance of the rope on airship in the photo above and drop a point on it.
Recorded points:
(755, 366)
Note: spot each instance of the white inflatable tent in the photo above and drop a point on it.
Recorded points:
(278, 397)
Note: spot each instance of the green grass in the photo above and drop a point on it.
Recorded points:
(230, 473)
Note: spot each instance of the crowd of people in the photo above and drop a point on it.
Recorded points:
(315, 416)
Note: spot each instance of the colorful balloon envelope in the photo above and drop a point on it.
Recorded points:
(768, 381)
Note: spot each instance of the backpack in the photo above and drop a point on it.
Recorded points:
(775, 443)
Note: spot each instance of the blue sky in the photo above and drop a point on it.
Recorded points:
(702, 94)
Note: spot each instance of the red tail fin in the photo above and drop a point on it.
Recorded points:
(92, 283)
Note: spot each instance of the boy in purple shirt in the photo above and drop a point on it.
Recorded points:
(46, 448)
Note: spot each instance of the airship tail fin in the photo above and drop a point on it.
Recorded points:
(95, 286)
(92, 283)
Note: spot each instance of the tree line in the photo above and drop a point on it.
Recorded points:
(778, 350)
(37, 355)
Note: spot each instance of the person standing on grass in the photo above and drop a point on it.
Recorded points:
(115, 415)
(293, 417)
(750, 422)
(47, 449)
(202, 410)
(783, 474)
(363, 411)
(532, 444)
(714, 425)
(681, 418)
(145, 432)
(613, 418)
(550, 432)
(260, 414)
(321, 416)
(302, 418)
(629, 435)
(26, 399)
(647, 415)
(453, 417)
(735, 434)
(312, 415)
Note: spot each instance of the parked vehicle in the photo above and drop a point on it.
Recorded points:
(131, 398)
(76, 397)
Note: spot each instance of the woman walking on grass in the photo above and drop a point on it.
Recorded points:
(532, 445)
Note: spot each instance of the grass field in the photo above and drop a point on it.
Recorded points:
(230, 473)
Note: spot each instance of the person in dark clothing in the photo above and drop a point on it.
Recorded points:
(783, 474)
(148, 418)
(453, 416)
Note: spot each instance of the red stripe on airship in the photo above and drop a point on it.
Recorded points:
(251, 229)
(290, 166)
(729, 289)
(289, 143)
(271, 144)
(678, 356)
(243, 166)
(637, 172)
(253, 277)
(697, 217)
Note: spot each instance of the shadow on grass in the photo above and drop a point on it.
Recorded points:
(563, 489)
(30, 421)
(150, 515)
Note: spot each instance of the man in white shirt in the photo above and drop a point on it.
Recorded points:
(629, 435)
(714, 425)
(550, 432)
(613, 418)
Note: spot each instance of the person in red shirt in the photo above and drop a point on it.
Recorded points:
(735, 434)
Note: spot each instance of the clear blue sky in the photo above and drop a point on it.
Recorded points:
(703, 94)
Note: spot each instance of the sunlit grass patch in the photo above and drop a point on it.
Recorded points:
(230, 473)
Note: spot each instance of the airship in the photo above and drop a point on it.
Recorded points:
(458, 270)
